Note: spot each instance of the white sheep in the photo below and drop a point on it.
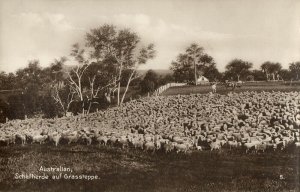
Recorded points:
(182, 147)
(215, 146)
(150, 146)
(39, 139)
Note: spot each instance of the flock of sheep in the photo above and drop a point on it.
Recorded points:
(252, 121)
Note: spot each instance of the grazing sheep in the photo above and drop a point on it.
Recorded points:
(158, 145)
(22, 138)
(55, 138)
(72, 138)
(102, 140)
(168, 147)
(183, 147)
(112, 140)
(260, 147)
(39, 139)
(198, 121)
(8, 139)
(199, 148)
(249, 146)
(149, 146)
(137, 143)
(148, 138)
(177, 139)
(232, 144)
(271, 146)
(123, 141)
(280, 145)
(86, 139)
(215, 146)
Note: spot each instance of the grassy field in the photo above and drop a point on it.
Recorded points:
(261, 86)
(134, 170)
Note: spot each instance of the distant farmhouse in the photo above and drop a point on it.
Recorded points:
(202, 80)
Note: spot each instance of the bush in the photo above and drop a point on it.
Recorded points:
(150, 82)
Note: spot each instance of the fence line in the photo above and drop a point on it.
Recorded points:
(161, 89)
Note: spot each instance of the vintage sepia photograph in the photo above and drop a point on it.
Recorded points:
(150, 95)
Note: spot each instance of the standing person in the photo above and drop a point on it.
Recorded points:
(214, 88)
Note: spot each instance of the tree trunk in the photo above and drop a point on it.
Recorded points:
(90, 104)
(127, 86)
(238, 76)
(119, 84)
(118, 95)
(82, 108)
(195, 71)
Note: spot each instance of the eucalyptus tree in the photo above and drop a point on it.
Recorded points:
(121, 46)
(295, 69)
(238, 68)
(271, 70)
(191, 63)
(195, 52)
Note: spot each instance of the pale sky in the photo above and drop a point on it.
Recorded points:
(252, 30)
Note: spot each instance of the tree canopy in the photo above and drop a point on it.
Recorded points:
(295, 70)
(237, 68)
(194, 62)
(150, 82)
(121, 47)
(271, 70)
